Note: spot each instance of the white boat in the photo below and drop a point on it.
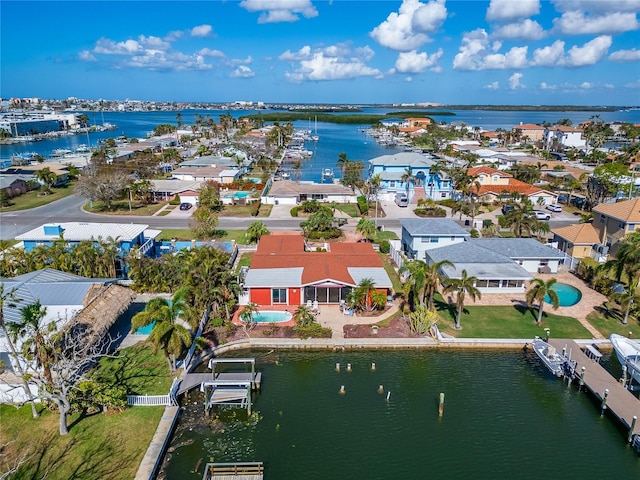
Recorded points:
(628, 353)
(553, 360)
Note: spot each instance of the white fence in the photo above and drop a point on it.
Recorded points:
(148, 400)
(396, 252)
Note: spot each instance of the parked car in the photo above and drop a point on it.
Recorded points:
(402, 200)
(506, 208)
(554, 207)
(540, 215)
(185, 206)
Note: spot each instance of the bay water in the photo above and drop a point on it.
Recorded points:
(504, 417)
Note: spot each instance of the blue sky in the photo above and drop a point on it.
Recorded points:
(575, 52)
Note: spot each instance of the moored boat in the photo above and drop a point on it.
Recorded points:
(553, 360)
(628, 353)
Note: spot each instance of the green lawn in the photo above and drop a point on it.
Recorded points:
(98, 445)
(386, 235)
(393, 275)
(350, 209)
(33, 199)
(608, 324)
(507, 322)
(245, 260)
(121, 207)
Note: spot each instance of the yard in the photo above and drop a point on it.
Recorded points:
(98, 445)
(35, 199)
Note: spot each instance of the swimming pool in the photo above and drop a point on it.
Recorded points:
(272, 316)
(237, 195)
(146, 330)
(567, 295)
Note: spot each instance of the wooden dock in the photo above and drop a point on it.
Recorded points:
(231, 389)
(622, 404)
(234, 471)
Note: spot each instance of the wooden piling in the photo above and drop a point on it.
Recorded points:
(441, 405)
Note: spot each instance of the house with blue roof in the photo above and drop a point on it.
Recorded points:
(422, 234)
(426, 181)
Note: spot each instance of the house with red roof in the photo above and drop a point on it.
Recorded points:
(496, 185)
(286, 271)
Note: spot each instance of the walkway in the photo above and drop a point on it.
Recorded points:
(332, 317)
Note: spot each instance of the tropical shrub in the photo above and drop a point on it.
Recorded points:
(312, 331)
(430, 212)
(175, 200)
(385, 246)
(294, 211)
(363, 205)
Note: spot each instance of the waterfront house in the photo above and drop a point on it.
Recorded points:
(288, 192)
(286, 271)
(219, 173)
(420, 235)
(528, 132)
(426, 181)
(93, 303)
(61, 171)
(560, 136)
(501, 265)
(613, 221)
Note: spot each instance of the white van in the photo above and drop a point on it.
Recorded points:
(402, 200)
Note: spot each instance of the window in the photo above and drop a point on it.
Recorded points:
(445, 184)
(494, 284)
(425, 239)
(632, 227)
(443, 195)
(434, 240)
(279, 295)
(392, 183)
(601, 218)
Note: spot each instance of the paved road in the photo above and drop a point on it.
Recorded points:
(69, 209)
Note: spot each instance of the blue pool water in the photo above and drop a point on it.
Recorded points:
(567, 295)
(146, 330)
(276, 316)
(238, 195)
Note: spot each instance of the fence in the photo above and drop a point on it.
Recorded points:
(148, 400)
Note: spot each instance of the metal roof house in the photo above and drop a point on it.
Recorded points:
(285, 272)
(502, 265)
(94, 302)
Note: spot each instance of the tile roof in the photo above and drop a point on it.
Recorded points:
(513, 186)
(287, 252)
(578, 233)
(487, 171)
(528, 126)
(627, 210)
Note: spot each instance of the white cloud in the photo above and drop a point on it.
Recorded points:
(550, 55)
(632, 55)
(240, 61)
(546, 86)
(275, 11)
(578, 23)
(501, 10)
(590, 53)
(476, 53)
(87, 56)
(408, 79)
(408, 28)
(492, 86)
(302, 54)
(414, 62)
(129, 47)
(597, 6)
(162, 61)
(201, 31)
(525, 30)
(586, 85)
(242, 71)
(330, 63)
(514, 81)
(207, 52)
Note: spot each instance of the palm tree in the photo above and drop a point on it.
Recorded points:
(365, 289)
(342, 162)
(168, 334)
(47, 177)
(462, 287)
(537, 293)
(366, 227)
(417, 278)
(626, 299)
(303, 316)
(407, 178)
(256, 230)
(33, 333)
(433, 280)
(521, 220)
(627, 259)
(9, 300)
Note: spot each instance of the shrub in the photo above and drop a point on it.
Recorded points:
(217, 322)
(321, 235)
(385, 246)
(363, 205)
(314, 331)
(294, 211)
(256, 209)
(430, 212)
(447, 202)
(230, 328)
(486, 223)
(175, 200)
(474, 233)
(272, 329)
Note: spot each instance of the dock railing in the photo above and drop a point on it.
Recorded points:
(148, 400)
(226, 470)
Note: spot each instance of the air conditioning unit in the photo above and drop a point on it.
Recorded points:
(601, 249)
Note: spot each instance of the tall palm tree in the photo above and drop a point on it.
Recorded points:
(521, 220)
(462, 287)
(342, 162)
(433, 279)
(168, 334)
(417, 278)
(9, 299)
(626, 299)
(537, 292)
(365, 289)
(407, 178)
(30, 330)
(303, 316)
(366, 227)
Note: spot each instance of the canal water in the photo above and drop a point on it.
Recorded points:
(504, 417)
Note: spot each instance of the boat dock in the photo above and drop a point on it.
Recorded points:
(231, 389)
(610, 392)
(234, 471)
